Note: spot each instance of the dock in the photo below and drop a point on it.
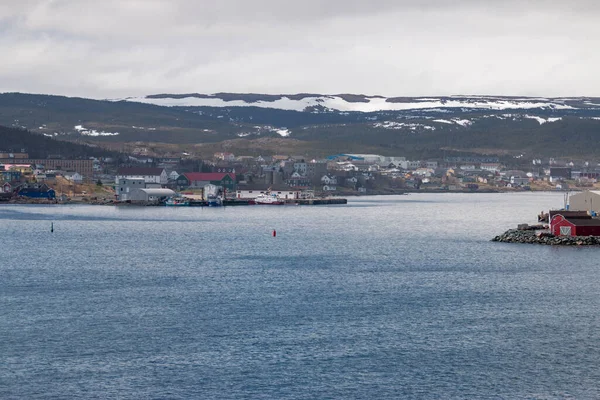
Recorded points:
(247, 202)
(317, 202)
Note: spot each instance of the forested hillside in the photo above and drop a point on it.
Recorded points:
(37, 146)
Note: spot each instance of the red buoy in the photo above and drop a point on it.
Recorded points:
(274, 233)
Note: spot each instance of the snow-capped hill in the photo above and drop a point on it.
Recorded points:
(363, 103)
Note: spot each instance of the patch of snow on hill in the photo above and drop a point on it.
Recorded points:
(402, 125)
(373, 103)
(462, 122)
(92, 132)
(542, 120)
(538, 119)
(443, 121)
(283, 132)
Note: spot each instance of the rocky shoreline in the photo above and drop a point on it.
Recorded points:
(531, 237)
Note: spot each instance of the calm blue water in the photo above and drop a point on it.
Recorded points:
(386, 298)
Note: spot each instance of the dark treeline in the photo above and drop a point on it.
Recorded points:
(39, 146)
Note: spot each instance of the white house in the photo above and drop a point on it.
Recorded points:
(329, 180)
(173, 175)
(73, 177)
(149, 175)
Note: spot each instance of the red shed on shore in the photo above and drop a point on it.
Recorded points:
(562, 226)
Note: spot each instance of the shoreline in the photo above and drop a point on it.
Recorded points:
(402, 192)
(545, 238)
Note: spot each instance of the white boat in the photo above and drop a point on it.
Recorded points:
(269, 199)
(177, 202)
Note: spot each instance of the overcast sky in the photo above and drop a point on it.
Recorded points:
(119, 48)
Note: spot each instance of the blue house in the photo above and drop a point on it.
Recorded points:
(36, 191)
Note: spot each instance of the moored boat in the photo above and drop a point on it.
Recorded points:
(214, 201)
(269, 199)
(177, 202)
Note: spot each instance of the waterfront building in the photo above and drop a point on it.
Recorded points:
(585, 201)
(569, 226)
(150, 195)
(36, 191)
(149, 175)
(125, 187)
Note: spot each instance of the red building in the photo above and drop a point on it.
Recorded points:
(563, 226)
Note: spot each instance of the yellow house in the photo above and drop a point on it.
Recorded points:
(24, 169)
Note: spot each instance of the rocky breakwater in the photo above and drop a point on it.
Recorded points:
(533, 237)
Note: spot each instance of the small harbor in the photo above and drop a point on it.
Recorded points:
(576, 224)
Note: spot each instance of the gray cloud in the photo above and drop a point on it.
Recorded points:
(116, 48)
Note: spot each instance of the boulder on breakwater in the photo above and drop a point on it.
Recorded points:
(530, 236)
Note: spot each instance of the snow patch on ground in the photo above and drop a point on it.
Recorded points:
(443, 121)
(283, 132)
(542, 120)
(402, 125)
(538, 119)
(462, 122)
(92, 132)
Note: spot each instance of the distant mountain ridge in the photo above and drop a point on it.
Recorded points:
(419, 127)
(363, 103)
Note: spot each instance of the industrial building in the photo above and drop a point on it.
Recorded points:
(150, 195)
(585, 201)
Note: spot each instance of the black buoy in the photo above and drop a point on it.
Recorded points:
(52, 227)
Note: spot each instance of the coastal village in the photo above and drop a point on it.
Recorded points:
(140, 179)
